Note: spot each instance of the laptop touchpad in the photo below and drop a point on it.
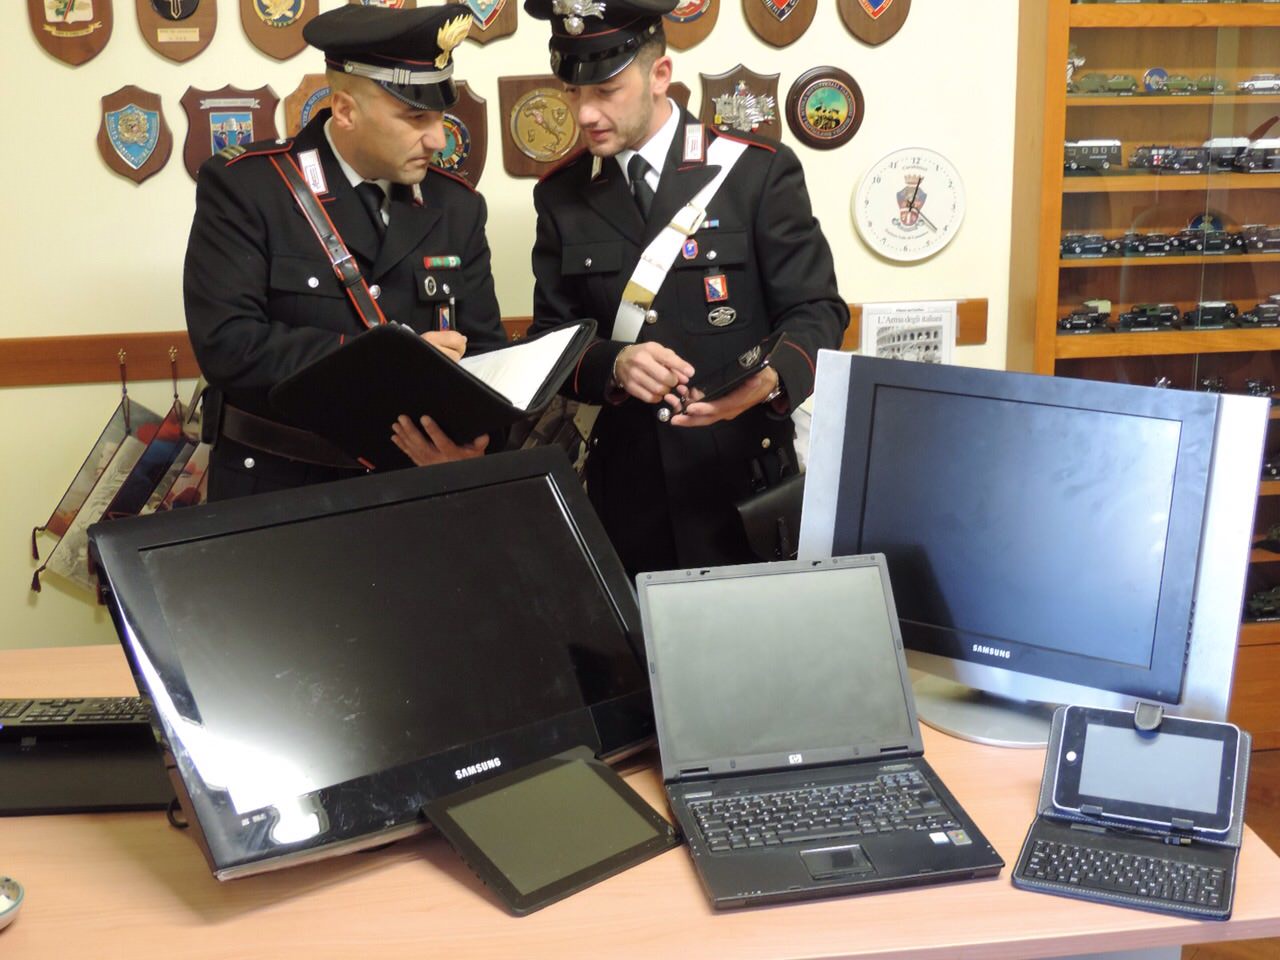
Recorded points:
(829, 863)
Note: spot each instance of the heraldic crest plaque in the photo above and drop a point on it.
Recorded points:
(133, 138)
(275, 26)
(873, 21)
(177, 29)
(229, 117)
(743, 101)
(73, 31)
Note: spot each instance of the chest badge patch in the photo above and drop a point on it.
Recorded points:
(722, 317)
(690, 249)
(716, 288)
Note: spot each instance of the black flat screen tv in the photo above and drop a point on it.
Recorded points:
(322, 662)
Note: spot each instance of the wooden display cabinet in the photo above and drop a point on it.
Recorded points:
(1230, 42)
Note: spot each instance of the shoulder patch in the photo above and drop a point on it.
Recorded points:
(564, 164)
(750, 140)
(432, 168)
(259, 148)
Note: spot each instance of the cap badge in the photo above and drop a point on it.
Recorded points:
(574, 10)
(449, 36)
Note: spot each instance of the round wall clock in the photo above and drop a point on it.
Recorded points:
(909, 205)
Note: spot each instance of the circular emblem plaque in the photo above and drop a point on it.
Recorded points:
(542, 125)
(824, 107)
(457, 144)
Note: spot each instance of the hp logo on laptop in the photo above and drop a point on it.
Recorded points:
(795, 758)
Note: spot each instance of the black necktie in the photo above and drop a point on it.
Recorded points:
(637, 170)
(371, 195)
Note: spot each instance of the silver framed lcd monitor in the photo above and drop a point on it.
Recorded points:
(322, 662)
(1049, 540)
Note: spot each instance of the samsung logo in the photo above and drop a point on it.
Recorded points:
(481, 767)
(992, 651)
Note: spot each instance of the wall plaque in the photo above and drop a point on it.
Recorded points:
(873, 21)
(742, 101)
(73, 31)
(275, 26)
(229, 117)
(177, 29)
(133, 138)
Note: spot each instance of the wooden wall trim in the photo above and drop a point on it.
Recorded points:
(47, 361)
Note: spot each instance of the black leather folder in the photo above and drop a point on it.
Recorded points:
(353, 395)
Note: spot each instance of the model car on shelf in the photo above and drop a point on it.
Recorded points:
(1086, 245)
(1259, 388)
(1261, 156)
(1144, 244)
(1209, 84)
(1091, 154)
(1210, 315)
(1260, 238)
(1271, 469)
(1179, 83)
(1148, 316)
(1225, 151)
(1263, 604)
(1260, 83)
(1168, 157)
(1105, 83)
(1090, 317)
(1212, 385)
(1194, 240)
(1265, 314)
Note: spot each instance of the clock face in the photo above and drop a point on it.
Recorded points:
(909, 204)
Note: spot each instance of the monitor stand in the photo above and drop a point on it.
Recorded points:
(981, 717)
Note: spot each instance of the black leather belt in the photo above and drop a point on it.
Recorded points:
(283, 440)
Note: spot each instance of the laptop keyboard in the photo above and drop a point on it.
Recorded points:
(888, 803)
(1154, 879)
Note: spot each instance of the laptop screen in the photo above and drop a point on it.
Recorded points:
(779, 661)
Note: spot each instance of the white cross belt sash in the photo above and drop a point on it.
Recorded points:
(657, 258)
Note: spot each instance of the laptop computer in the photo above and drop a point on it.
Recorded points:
(791, 752)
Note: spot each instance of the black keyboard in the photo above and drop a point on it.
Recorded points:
(1159, 880)
(62, 712)
(888, 803)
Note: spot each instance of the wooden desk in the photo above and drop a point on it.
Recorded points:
(128, 885)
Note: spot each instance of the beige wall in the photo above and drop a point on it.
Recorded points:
(86, 251)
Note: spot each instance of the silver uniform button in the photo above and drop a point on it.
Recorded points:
(313, 282)
(375, 291)
(651, 316)
(766, 443)
(249, 463)
(586, 262)
(711, 254)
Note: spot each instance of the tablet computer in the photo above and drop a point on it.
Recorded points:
(549, 829)
(1181, 775)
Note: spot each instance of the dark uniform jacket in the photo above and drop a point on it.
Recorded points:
(666, 494)
(262, 300)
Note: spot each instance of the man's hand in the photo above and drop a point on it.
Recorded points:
(449, 342)
(700, 413)
(430, 445)
(649, 371)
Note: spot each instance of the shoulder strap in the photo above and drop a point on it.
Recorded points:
(656, 260)
(344, 264)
